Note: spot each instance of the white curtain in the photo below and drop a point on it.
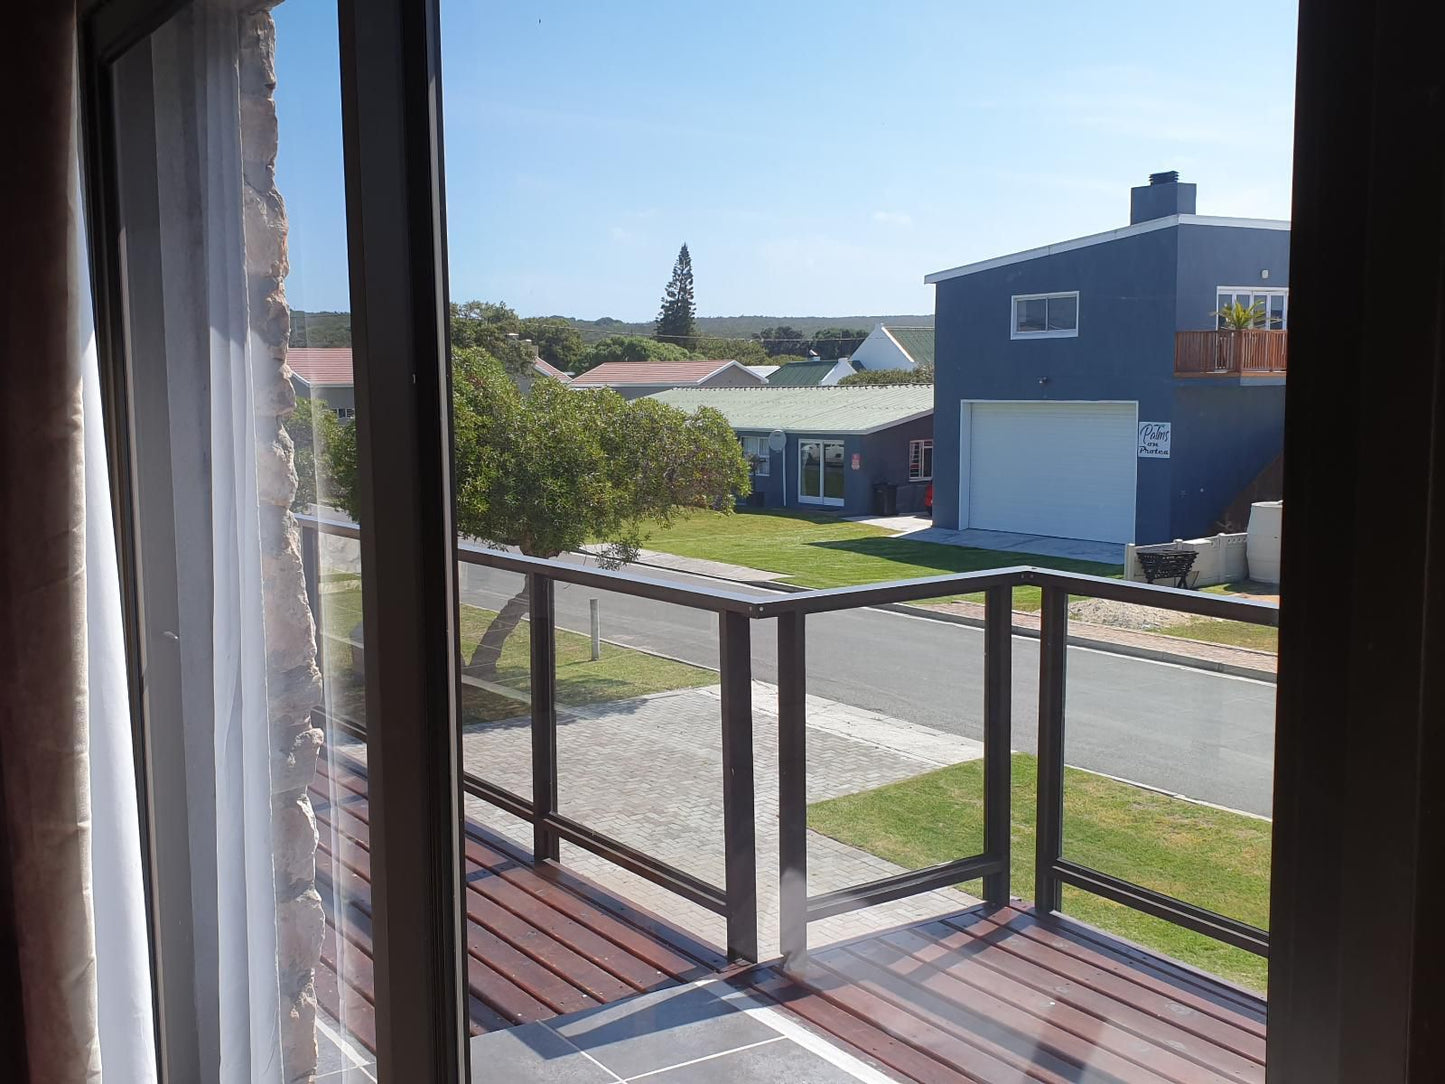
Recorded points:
(245, 882)
(203, 376)
(124, 1009)
(193, 380)
(196, 62)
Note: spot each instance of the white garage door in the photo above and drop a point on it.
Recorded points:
(1062, 469)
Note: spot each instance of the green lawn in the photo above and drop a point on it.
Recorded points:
(824, 551)
(621, 674)
(1206, 856)
(1232, 633)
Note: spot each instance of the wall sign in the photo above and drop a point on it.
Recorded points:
(857, 461)
(1154, 440)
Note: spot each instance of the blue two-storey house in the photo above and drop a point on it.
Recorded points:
(1095, 388)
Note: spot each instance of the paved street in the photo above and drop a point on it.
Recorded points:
(1209, 736)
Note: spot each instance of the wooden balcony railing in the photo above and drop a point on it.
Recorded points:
(1230, 353)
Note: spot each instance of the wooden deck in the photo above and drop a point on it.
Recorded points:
(985, 995)
(540, 943)
(997, 995)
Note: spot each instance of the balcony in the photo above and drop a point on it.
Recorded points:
(985, 990)
(1255, 352)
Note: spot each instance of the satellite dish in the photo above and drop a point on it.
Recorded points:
(777, 440)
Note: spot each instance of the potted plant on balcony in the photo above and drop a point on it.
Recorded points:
(1240, 317)
(1234, 318)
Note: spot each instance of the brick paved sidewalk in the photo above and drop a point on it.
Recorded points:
(648, 772)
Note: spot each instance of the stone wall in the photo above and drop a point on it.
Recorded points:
(294, 682)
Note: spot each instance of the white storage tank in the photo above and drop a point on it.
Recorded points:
(1262, 542)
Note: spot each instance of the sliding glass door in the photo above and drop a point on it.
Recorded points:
(820, 472)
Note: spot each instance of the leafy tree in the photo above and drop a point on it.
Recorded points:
(744, 351)
(320, 328)
(557, 341)
(483, 323)
(833, 343)
(630, 348)
(314, 433)
(784, 339)
(876, 377)
(553, 469)
(788, 359)
(677, 320)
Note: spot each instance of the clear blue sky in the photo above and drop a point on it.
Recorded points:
(819, 158)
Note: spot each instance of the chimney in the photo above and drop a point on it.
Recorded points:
(1162, 196)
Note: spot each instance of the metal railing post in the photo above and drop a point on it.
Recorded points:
(1053, 644)
(542, 615)
(739, 832)
(792, 791)
(997, 738)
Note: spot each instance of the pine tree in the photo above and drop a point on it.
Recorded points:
(676, 321)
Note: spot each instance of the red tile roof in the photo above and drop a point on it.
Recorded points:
(650, 372)
(548, 369)
(324, 365)
(331, 365)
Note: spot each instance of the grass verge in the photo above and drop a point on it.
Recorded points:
(813, 550)
(620, 674)
(1231, 633)
(1207, 856)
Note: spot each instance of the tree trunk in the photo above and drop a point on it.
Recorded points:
(489, 649)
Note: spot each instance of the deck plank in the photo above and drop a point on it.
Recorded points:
(535, 936)
(540, 942)
(1016, 1038)
(1188, 1004)
(952, 974)
(872, 1042)
(608, 955)
(977, 1054)
(1154, 1016)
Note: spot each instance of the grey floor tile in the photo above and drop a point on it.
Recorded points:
(532, 1054)
(660, 1029)
(354, 1075)
(329, 1057)
(783, 1062)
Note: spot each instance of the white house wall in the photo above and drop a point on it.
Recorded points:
(879, 351)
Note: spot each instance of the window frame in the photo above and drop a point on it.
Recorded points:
(390, 60)
(1256, 293)
(1013, 315)
(923, 444)
(760, 462)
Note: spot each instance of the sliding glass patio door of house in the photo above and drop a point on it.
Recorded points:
(820, 472)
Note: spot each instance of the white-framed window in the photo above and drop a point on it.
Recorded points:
(1044, 316)
(759, 456)
(1273, 305)
(920, 460)
(345, 413)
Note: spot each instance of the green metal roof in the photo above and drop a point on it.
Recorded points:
(809, 410)
(917, 342)
(800, 374)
